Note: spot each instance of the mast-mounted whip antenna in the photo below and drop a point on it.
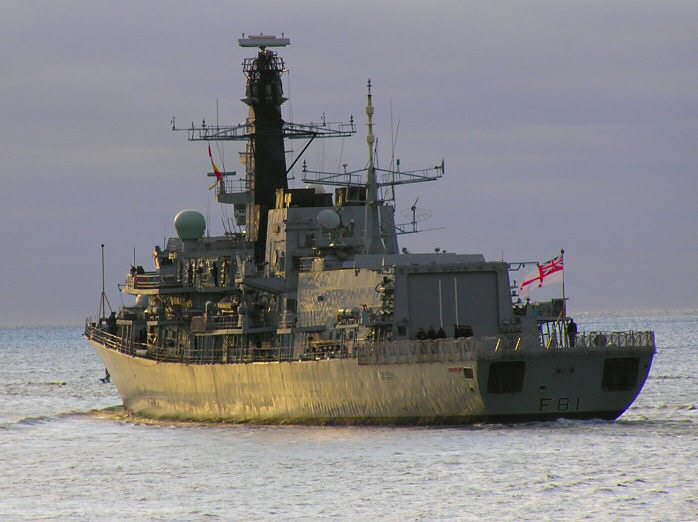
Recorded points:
(103, 300)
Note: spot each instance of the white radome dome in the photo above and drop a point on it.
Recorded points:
(329, 219)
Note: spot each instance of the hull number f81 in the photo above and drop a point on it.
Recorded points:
(559, 404)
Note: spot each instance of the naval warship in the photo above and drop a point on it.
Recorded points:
(306, 311)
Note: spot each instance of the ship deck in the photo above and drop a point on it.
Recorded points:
(394, 352)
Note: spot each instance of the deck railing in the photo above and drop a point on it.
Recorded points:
(392, 352)
(101, 335)
(597, 340)
(426, 351)
(464, 349)
(190, 354)
(152, 281)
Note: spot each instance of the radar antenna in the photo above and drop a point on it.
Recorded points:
(417, 215)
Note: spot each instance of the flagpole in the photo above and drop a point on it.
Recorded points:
(564, 300)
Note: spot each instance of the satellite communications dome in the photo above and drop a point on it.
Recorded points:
(329, 219)
(190, 224)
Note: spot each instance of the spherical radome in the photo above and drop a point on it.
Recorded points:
(329, 219)
(190, 224)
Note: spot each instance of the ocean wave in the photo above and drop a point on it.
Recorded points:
(30, 388)
(39, 419)
(35, 420)
(664, 406)
(668, 423)
(120, 414)
(531, 425)
(668, 377)
(110, 413)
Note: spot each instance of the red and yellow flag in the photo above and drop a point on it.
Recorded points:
(219, 175)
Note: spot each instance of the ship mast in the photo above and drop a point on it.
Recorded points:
(264, 132)
(264, 96)
(374, 230)
(372, 236)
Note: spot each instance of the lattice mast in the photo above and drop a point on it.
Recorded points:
(368, 178)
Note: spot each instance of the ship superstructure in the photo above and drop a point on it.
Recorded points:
(308, 312)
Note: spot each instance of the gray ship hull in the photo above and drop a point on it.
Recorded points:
(345, 391)
(305, 311)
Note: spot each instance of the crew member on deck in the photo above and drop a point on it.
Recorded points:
(572, 332)
(111, 323)
(156, 257)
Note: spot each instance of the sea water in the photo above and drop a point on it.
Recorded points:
(69, 452)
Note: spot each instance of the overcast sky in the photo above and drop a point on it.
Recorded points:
(562, 124)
